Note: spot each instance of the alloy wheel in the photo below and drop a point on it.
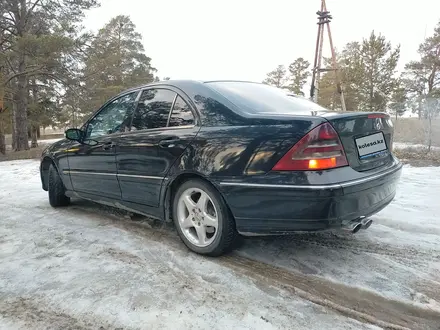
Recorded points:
(197, 217)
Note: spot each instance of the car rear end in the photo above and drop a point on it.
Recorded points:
(337, 174)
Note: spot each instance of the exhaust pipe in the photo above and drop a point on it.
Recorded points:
(357, 228)
(353, 227)
(367, 223)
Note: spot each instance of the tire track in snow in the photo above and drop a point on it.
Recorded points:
(343, 242)
(33, 314)
(363, 305)
(353, 302)
(356, 303)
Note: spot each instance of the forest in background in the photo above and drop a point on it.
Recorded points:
(368, 71)
(53, 72)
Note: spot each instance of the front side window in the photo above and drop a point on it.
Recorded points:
(113, 118)
(181, 115)
(153, 109)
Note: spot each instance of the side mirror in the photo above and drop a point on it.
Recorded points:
(74, 134)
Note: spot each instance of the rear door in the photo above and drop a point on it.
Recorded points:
(163, 125)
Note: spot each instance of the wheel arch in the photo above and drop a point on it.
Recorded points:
(44, 170)
(174, 184)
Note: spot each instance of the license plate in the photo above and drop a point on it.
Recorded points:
(371, 145)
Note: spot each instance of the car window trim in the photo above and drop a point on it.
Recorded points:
(171, 110)
(136, 102)
(182, 94)
(148, 130)
(174, 90)
(86, 124)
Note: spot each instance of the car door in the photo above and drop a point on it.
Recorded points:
(162, 127)
(92, 164)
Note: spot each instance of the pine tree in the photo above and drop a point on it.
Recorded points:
(116, 61)
(398, 103)
(277, 77)
(24, 20)
(298, 74)
(378, 62)
(367, 72)
(422, 77)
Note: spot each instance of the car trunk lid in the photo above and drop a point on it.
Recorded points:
(367, 137)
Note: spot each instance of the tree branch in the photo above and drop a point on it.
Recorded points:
(33, 6)
(9, 30)
(26, 72)
(10, 65)
(7, 18)
(12, 18)
(29, 12)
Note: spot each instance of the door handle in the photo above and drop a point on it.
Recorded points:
(169, 142)
(108, 146)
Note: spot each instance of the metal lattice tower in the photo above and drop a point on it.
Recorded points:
(324, 19)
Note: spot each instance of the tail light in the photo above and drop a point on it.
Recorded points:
(320, 149)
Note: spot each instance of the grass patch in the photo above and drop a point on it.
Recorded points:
(418, 156)
(414, 131)
(33, 153)
(51, 136)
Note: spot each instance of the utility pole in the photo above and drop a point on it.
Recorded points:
(324, 19)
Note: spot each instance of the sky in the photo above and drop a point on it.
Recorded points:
(244, 40)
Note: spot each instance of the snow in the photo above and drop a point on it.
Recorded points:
(398, 256)
(86, 266)
(82, 267)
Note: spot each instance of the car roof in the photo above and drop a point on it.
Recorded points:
(183, 83)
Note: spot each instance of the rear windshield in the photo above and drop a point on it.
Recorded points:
(254, 98)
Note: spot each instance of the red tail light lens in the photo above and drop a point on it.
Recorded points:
(320, 149)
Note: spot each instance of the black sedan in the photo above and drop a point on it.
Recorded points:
(221, 158)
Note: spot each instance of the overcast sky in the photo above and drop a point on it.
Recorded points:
(245, 39)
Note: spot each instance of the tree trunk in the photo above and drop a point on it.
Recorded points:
(21, 121)
(429, 133)
(13, 126)
(34, 143)
(38, 132)
(2, 138)
(33, 125)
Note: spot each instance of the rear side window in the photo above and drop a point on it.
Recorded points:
(153, 109)
(181, 115)
(253, 98)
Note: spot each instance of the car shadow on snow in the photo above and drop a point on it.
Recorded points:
(299, 246)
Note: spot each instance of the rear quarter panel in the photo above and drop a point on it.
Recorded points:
(240, 151)
(230, 144)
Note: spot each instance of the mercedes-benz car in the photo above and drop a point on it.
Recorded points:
(223, 158)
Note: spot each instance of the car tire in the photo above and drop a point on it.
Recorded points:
(223, 235)
(56, 189)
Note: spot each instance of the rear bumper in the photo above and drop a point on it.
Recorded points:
(276, 208)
